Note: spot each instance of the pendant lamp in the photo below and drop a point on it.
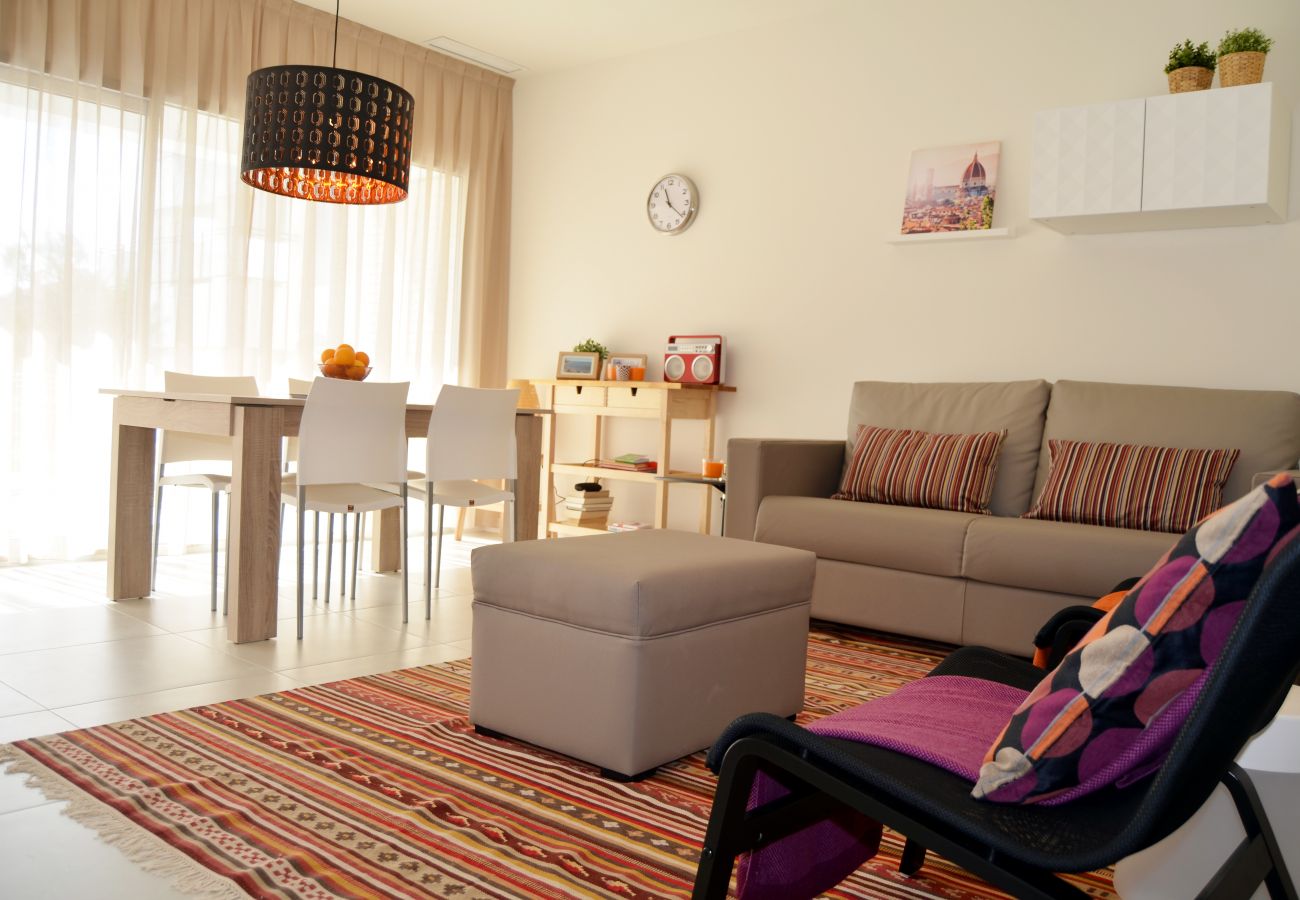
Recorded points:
(324, 133)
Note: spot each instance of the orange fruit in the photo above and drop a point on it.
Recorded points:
(334, 370)
(344, 355)
(356, 373)
(363, 358)
(327, 354)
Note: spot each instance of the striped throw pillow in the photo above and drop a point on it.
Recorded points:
(1132, 486)
(916, 468)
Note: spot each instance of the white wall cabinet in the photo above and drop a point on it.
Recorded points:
(1198, 159)
(1087, 160)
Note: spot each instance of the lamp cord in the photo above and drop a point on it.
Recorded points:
(334, 60)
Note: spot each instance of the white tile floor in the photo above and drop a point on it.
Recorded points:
(70, 658)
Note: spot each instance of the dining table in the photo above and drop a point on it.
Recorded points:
(258, 426)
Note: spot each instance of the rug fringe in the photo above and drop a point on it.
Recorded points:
(141, 847)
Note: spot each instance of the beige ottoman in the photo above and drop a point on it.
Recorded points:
(629, 650)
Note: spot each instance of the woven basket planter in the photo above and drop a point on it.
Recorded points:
(1190, 78)
(1241, 68)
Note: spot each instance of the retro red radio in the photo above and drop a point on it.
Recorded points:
(694, 359)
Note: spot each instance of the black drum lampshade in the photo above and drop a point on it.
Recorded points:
(322, 133)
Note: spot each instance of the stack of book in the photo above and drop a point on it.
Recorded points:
(630, 462)
(628, 526)
(589, 509)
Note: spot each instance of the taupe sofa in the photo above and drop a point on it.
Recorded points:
(991, 580)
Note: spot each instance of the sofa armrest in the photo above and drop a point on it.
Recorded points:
(760, 467)
(1261, 477)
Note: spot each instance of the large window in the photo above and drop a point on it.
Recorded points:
(129, 246)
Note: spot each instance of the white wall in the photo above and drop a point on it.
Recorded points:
(799, 138)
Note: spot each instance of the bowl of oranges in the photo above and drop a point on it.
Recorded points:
(344, 362)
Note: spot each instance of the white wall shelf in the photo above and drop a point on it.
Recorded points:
(932, 236)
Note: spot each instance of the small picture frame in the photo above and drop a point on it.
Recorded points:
(636, 360)
(578, 366)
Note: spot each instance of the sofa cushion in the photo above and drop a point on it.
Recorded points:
(905, 467)
(965, 408)
(1132, 485)
(1108, 714)
(1263, 425)
(928, 541)
(1060, 557)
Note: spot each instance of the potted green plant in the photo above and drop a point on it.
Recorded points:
(592, 346)
(1191, 67)
(1241, 57)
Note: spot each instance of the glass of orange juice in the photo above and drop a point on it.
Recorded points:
(711, 468)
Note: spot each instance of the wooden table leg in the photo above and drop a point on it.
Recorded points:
(386, 540)
(528, 481)
(255, 523)
(130, 516)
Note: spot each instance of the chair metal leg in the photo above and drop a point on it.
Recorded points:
(437, 562)
(216, 515)
(343, 560)
(406, 612)
(315, 552)
(329, 556)
(157, 528)
(428, 552)
(356, 553)
(508, 513)
(302, 551)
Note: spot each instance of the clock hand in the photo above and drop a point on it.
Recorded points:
(669, 201)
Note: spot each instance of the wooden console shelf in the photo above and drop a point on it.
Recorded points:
(663, 401)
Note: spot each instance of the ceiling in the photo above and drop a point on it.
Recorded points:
(549, 35)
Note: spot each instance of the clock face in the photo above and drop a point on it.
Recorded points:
(672, 203)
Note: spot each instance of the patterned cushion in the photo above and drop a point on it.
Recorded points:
(1109, 712)
(1132, 486)
(915, 468)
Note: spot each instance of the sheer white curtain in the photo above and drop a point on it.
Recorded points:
(129, 245)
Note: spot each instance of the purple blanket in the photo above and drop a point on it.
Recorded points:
(947, 720)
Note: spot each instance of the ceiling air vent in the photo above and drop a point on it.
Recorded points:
(474, 55)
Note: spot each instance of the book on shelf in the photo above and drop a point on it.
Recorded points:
(590, 519)
(631, 459)
(648, 465)
(628, 526)
(579, 506)
(589, 500)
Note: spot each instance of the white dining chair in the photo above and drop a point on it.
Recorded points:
(471, 439)
(185, 447)
(300, 387)
(351, 436)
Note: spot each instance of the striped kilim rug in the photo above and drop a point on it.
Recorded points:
(379, 787)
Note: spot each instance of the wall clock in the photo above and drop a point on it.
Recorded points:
(672, 204)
